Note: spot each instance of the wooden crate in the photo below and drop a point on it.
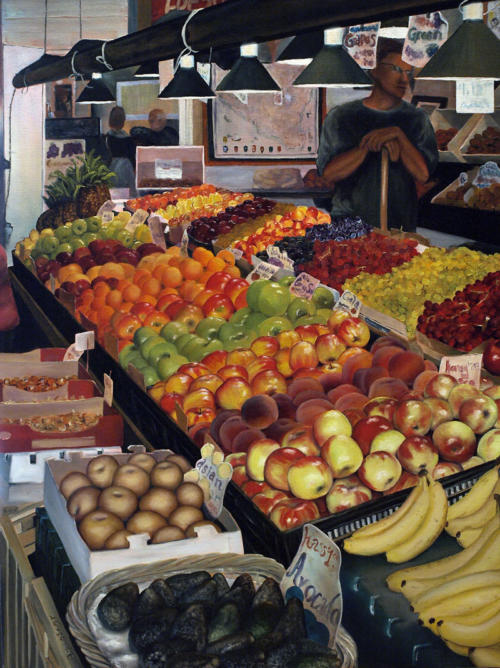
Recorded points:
(33, 634)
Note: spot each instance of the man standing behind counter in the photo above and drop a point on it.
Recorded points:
(354, 134)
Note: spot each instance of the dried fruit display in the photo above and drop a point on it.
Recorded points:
(488, 142)
(469, 318)
(334, 262)
(444, 136)
(434, 276)
(74, 421)
(244, 229)
(161, 200)
(36, 383)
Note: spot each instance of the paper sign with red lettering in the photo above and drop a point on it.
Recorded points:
(261, 270)
(304, 285)
(156, 225)
(313, 577)
(349, 302)
(184, 243)
(464, 368)
(426, 33)
(361, 43)
(72, 354)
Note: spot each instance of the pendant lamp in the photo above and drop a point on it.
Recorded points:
(96, 92)
(248, 74)
(394, 28)
(187, 83)
(473, 51)
(302, 48)
(333, 66)
(148, 70)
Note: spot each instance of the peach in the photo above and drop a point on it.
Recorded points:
(286, 407)
(354, 415)
(340, 390)
(406, 366)
(222, 416)
(388, 387)
(278, 429)
(301, 384)
(386, 340)
(308, 372)
(229, 430)
(350, 401)
(423, 378)
(306, 395)
(382, 356)
(330, 379)
(308, 411)
(244, 439)
(361, 361)
(260, 411)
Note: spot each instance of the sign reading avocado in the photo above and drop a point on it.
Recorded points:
(313, 577)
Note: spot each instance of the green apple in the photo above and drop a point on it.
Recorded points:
(196, 351)
(168, 364)
(63, 233)
(242, 340)
(253, 293)
(273, 326)
(240, 316)
(143, 334)
(212, 346)
(88, 237)
(63, 248)
(299, 307)
(125, 237)
(173, 330)
(208, 327)
(76, 242)
(183, 340)
(49, 244)
(253, 321)
(125, 353)
(306, 320)
(322, 315)
(286, 280)
(150, 376)
(93, 223)
(196, 343)
(139, 362)
(323, 297)
(79, 227)
(150, 343)
(159, 350)
(273, 299)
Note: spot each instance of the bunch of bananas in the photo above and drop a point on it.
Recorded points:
(410, 530)
(458, 597)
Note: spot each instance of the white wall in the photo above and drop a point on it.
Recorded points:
(24, 135)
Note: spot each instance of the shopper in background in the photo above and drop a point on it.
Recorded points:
(354, 134)
(121, 148)
(158, 133)
(9, 316)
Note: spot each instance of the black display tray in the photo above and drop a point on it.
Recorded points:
(259, 533)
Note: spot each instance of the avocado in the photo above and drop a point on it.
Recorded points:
(155, 656)
(230, 643)
(283, 655)
(292, 622)
(147, 603)
(115, 609)
(154, 628)
(316, 661)
(261, 620)
(191, 624)
(165, 592)
(225, 622)
(206, 594)
(222, 584)
(183, 582)
(245, 582)
(269, 593)
(243, 658)
(194, 660)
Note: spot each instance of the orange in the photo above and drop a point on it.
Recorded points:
(122, 284)
(175, 261)
(202, 255)
(151, 285)
(125, 307)
(216, 264)
(112, 270)
(173, 251)
(227, 256)
(168, 291)
(93, 316)
(205, 276)
(104, 314)
(67, 270)
(140, 273)
(233, 270)
(171, 277)
(158, 271)
(191, 269)
(148, 262)
(189, 290)
(128, 269)
(98, 302)
(150, 299)
(132, 293)
(101, 288)
(114, 298)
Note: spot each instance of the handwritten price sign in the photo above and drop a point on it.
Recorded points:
(464, 368)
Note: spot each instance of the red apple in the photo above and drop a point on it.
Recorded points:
(454, 440)
(443, 469)
(480, 413)
(309, 478)
(380, 471)
(440, 409)
(268, 499)
(330, 423)
(257, 454)
(269, 381)
(383, 406)
(236, 459)
(353, 332)
(303, 354)
(346, 493)
(329, 347)
(342, 454)
(412, 417)
(277, 465)
(253, 487)
(367, 428)
(491, 357)
(418, 453)
(458, 394)
(265, 345)
(405, 481)
(440, 386)
(233, 393)
(488, 447)
(291, 513)
(301, 438)
(387, 441)
(239, 475)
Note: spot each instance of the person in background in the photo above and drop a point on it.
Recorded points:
(158, 133)
(9, 316)
(354, 134)
(121, 148)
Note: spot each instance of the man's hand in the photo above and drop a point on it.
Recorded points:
(376, 139)
(393, 148)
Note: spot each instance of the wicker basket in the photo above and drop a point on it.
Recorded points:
(231, 565)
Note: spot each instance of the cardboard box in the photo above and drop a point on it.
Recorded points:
(479, 124)
(444, 119)
(89, 563)
(169, 163)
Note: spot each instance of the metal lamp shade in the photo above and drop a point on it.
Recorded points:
(332, 66)
(148, 70)
(96, 92)
(472, 51)
(302, 48)
(187, 84)
(248, 75)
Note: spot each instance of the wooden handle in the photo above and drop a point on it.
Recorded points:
(384, 188)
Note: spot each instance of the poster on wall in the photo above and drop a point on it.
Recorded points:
(266, 126)
(58, 155)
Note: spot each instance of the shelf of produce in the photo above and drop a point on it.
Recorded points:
(259, 533)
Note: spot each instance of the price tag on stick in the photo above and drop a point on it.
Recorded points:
(313, 577)
(156, 225)
(108, 389)
(218, 473)
(464, 368)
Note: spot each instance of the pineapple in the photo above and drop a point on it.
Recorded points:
(93, 177)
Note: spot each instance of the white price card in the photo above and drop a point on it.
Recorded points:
(108, 205)
(463, 178)
(313, 577)
(261, 270)
(349, 302)
(237, 252)
(52, 283)
(426, 33)
(361, 43)
(488, 174)
(72, 354)
(464, 368)
(475, 96)
(304, 285)
(108, 389)
(138, 218)
(85, 340)
(156, 225)
(184, 243)
(218, 474)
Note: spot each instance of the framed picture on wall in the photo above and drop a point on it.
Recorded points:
(62, 99)
(429, 102)
(265, 127)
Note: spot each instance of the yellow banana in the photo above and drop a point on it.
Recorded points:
(386, 522)
(488, 558)
(475, 520)
(458, 649)
(474, 635)
(434, 595)
(486, 657)
(468, 537)
(430, 528)
(396, 533)
(470, 603)
(397, 581)
(476, 496)
(482, 614)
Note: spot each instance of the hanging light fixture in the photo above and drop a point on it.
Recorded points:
(473, 51)
(248, 74)
(96, 92)
(302, 49)
(333, 66)
(394, 28)
(148, 70)
(187, 83)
